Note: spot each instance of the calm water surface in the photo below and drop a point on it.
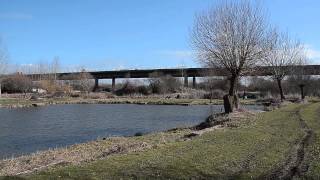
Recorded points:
(28, 130)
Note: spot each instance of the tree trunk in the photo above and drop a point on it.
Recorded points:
(230, 103)
(231, 100)
(244, 94)
(302, 91)
(233, 85)
(280, 89)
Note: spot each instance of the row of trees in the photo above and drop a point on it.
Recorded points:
(236, 36)
(268, 88)
(19, 83)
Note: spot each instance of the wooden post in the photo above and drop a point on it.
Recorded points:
(186, 81)
(194, 83)
(96, 84)
(113, 84)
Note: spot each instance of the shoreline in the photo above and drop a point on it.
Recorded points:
(12, 103)
(84, 153)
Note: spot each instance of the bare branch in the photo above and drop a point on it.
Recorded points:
(3, 58)
(232, 35)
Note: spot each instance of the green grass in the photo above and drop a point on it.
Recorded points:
(312, 118)
(248, 151)
(10, 101)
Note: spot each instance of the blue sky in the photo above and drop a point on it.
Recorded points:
(117, 34)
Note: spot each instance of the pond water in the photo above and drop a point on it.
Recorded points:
(27, 130)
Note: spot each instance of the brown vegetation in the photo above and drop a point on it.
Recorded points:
(17, 83)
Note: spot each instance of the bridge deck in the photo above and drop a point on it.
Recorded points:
(186, 72)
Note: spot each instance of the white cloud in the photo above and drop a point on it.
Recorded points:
(15, 16)
(313, 54)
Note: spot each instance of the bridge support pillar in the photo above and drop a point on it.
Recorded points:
(186, 81)
(194, 82)
(113, 84)
(96, 84)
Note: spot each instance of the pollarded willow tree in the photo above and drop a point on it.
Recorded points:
(284, 55)
(233, 36)
(299, 77)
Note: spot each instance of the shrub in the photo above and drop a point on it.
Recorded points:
(155, 86)
(127, 88)
(160, 84)
(142, 90)
(138, 134)
(214, 94)
(49, 85)
(16, 83)
(82, 81)
(169, 84)
(214, 83)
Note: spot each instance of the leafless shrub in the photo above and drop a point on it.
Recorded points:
(142, 90)
(191, 93)
(169, 84)
(126, 89)
(85, 81)
(160, 84)
(266, 87)
(49, 85)
(213, 83)
(214, 94)
(82, 81)
(155, 86)
(17, 83)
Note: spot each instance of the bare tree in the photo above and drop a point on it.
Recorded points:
(3, 58)
(283, 55)
(155, 83)
(85, 81)
(48, 74)
(55, 67)
(41, 69)
(3, 62)
(232, 36)
(299, 77)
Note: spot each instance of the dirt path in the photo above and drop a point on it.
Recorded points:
(295, 165)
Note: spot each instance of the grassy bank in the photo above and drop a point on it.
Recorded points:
(312, 154)
(20, 102)
(281, 143)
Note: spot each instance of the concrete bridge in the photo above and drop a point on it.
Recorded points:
(184, 73)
